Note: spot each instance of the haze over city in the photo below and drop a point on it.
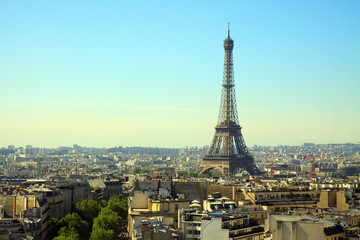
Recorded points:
(149, 73)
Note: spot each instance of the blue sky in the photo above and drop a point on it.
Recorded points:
(148, 73)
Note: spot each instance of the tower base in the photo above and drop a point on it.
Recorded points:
(229, 164)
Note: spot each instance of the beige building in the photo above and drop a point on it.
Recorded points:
(54, 198)
(281, 201)
(31, 207)
(146, 204)
(333, 198)
(152, 228)
(285, 227)
(216, 226)
(108, 188)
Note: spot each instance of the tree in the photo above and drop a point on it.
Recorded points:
(204, 175)
(103, 204)
(217, 174)
(192, 174)
(119, 205)
(54, 227)
(102, 234)
(107, 220)
(73, 223)
(66, 233)
(182, 173)
(88, 210)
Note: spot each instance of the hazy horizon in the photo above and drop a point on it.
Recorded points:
(125, 146)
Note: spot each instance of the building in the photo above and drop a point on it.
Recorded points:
(334, 198)
(107, 188)
(281, 201)
(30, 209)
(153, 228)
(283, 227)
(149, 204)
(216, 226)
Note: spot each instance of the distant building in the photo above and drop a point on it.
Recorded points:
(308, 144)
(106, 188)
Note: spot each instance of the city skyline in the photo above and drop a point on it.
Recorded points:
(107, 74)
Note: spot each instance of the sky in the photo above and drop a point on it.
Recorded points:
(149, 73)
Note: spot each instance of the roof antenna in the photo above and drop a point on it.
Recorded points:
(228, 29)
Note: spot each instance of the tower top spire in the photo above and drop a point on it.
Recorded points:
(228, 29)
(228, 42)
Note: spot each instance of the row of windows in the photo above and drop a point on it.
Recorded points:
(194, 232)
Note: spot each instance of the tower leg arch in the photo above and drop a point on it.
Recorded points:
(207, 169)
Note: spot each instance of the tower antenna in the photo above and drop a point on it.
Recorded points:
(228, 29)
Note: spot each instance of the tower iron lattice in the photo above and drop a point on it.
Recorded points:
(228, 152)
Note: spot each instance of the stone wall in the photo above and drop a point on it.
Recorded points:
(8, 203)
(341, 201)
(333, 199)
(225, 191)
(13, 205)
(153, 185)
(192, 190)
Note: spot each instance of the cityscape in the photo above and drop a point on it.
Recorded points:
(316, 184)
(109, 128)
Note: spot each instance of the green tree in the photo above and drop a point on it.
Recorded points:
(119, 205)
(66, 233)
(136, 170)
(73, 222)
(145, 170)
(343, 176)
(192, 174)
(102, 234)
(108, 220)
(217, 174)
(103, 204)
(204, 175)
(54, 227)
(88, 210)
(182, 173)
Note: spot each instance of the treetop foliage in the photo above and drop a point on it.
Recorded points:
(104, 218)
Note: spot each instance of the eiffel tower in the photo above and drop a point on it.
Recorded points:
(228, 152)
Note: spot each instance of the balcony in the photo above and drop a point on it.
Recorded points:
(240, 226)
(255, 230)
